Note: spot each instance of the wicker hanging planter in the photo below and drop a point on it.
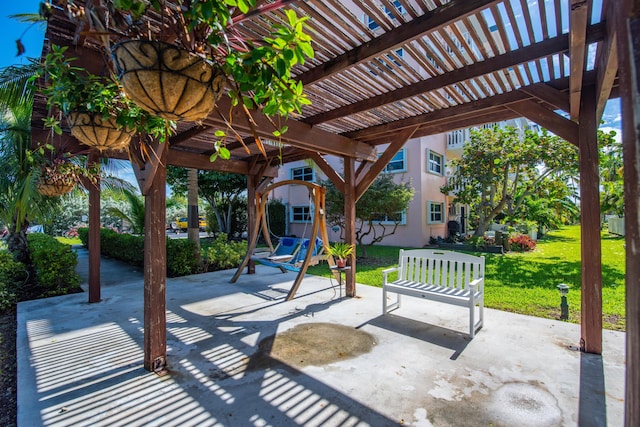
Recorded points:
(166, 80)
(92, 130)
(54, 187)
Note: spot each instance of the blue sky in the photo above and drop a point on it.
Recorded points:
(13, 30)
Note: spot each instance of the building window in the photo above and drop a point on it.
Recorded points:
(300, 214)
(435, 212)
(397, 163)
(304, 173)
(435, 163)
(398, 217)
(373, 25)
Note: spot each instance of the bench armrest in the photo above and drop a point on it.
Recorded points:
(386, 271)
(473, 286)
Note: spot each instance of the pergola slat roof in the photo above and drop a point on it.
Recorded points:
(383, 65)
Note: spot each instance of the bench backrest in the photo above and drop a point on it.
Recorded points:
(440, 268)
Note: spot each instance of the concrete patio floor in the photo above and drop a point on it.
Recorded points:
(81, 364)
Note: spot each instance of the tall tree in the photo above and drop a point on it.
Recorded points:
(501, 168)
(379, 210)
(611, 174)
(19, 199)
(222, 192)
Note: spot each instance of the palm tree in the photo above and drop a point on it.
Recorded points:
(19, 198)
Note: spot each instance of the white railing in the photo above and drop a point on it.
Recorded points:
(456, 138)
(616, 226)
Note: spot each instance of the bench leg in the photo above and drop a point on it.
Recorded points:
(472, 324)
(386, 307)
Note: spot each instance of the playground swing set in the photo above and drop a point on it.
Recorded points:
(291, 253)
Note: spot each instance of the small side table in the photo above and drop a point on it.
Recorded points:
(341, 271)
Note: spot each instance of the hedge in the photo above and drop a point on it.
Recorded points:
(12, 274)
(182, 256)
(54, 264)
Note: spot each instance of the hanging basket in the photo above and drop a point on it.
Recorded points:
(92, 130)
(166, 80)
(53, 188)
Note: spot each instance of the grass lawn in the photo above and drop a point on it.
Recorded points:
(69, 241)
(526, 282)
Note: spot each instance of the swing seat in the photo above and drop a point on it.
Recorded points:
(284, 250)
(296, 259)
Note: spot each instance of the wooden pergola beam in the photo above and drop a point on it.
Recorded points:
(578, 17)
(500, 62)
(607, 62)
(591, 252)
(496, 114)
(188, 134)
(365, 181)
(627, 19)
(557, 124)
(300, 135)
(187, 159)
(428, 23)
(550, 95)
(328, 170)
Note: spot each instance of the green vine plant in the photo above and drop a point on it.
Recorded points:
(258, 71)
(72, 89)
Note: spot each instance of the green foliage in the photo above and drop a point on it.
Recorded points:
(340, 250)
(73, 89)
(276, 212)
(500, 169)
(222, 254)
(182, 254)
(611, 174)
(182, 257)
(54, 265)
(223, 192)
(12, 274)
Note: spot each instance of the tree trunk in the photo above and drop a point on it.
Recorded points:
(17, 242)
(193, 220)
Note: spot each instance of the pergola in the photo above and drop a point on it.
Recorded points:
(386, 71)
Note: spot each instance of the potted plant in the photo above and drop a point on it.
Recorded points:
(174, 58)
(59, 174)
(98, 112)
(340, 251)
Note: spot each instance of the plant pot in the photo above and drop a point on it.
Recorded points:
(341, 262)
(166, 80)
(92, 130)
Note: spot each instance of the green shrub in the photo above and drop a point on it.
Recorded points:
(12, 273)
(83, 233)
(54, 265)
(182, 257)
(223, 254)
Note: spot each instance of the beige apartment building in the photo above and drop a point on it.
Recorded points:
(423, 162)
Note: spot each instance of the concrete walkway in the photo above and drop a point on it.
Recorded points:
(81, 364)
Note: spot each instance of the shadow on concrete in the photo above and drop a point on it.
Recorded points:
(593, 406)
(442, 337)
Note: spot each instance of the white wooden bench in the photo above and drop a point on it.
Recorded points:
(447, 277)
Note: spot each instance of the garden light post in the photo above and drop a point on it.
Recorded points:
(564, 306)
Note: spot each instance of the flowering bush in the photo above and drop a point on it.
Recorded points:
(522, 243)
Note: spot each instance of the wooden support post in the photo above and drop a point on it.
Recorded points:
(252, 227)
(591, 321)
(155, 271)
(350, 221)
(94, 235)
(628, 27)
